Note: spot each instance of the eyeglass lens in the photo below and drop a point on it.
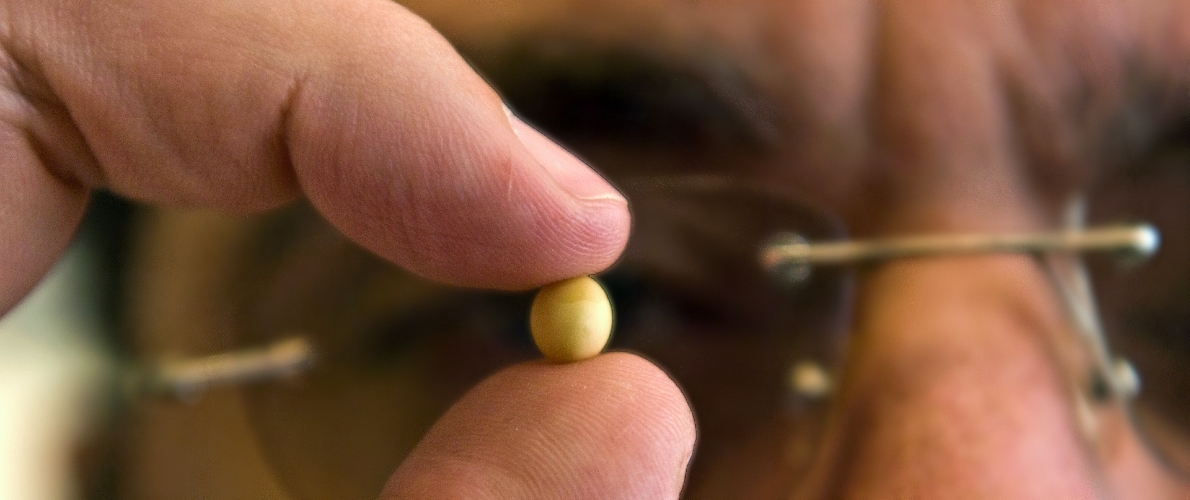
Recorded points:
(754, 353)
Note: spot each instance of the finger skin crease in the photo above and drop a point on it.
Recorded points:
(549, 442)
(29, 105)
(284, 129)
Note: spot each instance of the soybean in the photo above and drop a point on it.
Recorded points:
(571, 320)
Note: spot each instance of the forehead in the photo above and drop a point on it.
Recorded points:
(950, 102)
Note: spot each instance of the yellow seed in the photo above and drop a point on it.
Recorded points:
(571, 320)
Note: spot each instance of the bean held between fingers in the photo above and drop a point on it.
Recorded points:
(571, 320)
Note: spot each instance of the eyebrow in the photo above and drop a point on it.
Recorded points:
(626, 94)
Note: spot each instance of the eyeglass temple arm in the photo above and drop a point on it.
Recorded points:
(187, 379)
(1140, 240)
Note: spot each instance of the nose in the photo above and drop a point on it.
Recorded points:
(954, 389)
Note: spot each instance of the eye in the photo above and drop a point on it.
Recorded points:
(468, 334)
(649, 310)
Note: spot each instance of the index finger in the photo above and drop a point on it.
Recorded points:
(357, 104)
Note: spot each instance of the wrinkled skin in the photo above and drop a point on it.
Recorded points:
(913, 116)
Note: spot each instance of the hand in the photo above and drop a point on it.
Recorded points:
(364, 109)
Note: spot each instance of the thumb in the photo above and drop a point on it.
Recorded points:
(408, 152)
(611, 427)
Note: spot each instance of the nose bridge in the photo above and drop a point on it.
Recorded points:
(954, 389)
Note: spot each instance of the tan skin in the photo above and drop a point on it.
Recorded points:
(903, 116)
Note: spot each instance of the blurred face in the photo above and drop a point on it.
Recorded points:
(950, 375)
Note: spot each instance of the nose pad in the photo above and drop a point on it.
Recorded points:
(955, 389)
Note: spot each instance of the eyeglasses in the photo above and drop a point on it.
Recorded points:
(742, 292)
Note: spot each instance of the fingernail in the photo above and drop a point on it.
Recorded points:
(571, 174)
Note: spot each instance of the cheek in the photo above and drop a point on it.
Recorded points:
(1132, 471)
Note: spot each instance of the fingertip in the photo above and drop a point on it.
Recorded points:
(571, 174)
(479, 211)
(614, 426)
(597, 217)
(412, 154)
(596, 234)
